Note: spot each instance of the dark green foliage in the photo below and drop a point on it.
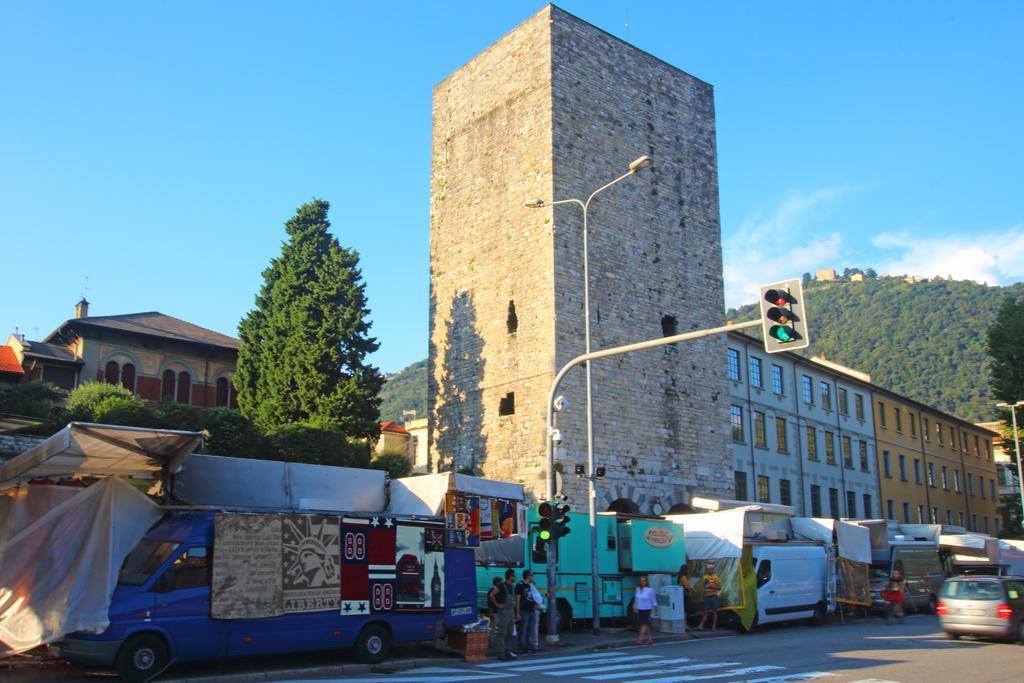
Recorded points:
(1006, 351)
(305, 342)
(128, 410)
(84, 401)
(924, 340)
(31, 399)
(318, 446)
(231, 433)
(169, 414)
(405, 390)
(397, 465)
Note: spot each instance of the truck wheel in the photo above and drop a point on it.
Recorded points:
(933, 604)
(563, 619)
(821, 615)
(373, 644)
(142, 657)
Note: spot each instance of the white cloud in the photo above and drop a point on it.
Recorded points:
(746, 268)
(995, 257)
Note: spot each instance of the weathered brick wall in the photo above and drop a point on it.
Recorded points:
(554, 110)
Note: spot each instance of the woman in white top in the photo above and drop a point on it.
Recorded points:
(643, 603)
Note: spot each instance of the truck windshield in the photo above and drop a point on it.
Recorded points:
(145, 559)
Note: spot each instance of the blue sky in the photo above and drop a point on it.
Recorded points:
(157, 148)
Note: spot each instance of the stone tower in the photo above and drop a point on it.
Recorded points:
(554, 110)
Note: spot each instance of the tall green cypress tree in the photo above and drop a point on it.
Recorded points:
(304, 344)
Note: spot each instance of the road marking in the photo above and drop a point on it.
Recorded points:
(806, 676)
(631, 659)
(629, 663)
(673, 670)
(495, 665)
(731, 673)
(422, 678)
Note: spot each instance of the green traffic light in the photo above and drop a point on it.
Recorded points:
(783, 334)
(545, 535)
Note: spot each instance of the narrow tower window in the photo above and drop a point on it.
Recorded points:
(507, 406)
(669, 326)
(512, 322)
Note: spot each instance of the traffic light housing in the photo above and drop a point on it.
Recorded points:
(783, 319)
(560, 521)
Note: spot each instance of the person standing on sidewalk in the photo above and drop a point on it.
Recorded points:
(643, 603)
(507, 616)
(526, 608)
(538, 601)
(712, 587)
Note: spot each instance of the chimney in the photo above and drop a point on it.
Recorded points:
(82, 309)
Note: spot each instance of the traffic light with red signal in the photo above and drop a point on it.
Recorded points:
(783, 319)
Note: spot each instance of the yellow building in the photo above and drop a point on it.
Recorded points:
(934, 467)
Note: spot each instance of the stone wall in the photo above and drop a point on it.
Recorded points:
(16, 444)
(554, 110)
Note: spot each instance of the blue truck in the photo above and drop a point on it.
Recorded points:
(160, 612)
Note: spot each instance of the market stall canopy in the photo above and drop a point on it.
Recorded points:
(425, 495)
(85, 449)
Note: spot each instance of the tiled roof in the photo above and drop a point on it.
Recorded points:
(393, 427)
(9, 361)
(156, 324)
(34, 349)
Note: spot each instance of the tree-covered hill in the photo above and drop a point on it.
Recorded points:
(925, 340)
(405, 390)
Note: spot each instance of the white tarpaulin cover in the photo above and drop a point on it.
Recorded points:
(102, 450)
(814, 529)
(712, 535)
(854, 542)
(58, 572)
(425, 495)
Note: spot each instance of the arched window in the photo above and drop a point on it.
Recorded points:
(184, 388)
(233, 403)
(111, 373)
(128, 377)
(222, 392)
(167, 385)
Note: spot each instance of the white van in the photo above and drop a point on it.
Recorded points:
(791, 582)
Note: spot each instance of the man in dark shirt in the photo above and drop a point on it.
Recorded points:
(506, 601)
(526, 613)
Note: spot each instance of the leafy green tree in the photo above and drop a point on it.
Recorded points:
(305, 343)
(1006, 351)
(228, 432)
(316, 445)
(85, 400)
(29, 399)
(129, 411)
(397, 465)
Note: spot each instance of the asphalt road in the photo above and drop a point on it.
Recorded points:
(913, 651)
(858, 651)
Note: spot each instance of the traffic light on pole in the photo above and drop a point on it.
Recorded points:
(560, 521)
(782, 317)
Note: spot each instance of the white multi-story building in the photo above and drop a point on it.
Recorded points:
(801, 432)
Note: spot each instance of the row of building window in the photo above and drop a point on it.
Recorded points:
(176, 386)
(760, 430)
(785, 487)
(778, 385)
(944, 476)
(960, 519)
(940, 431)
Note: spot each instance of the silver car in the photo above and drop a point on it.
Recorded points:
(986, 606)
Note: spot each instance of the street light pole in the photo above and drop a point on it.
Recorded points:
(1016, 448)
(635, 166)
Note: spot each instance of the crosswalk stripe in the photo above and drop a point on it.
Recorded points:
(546, 668)
(673, 670)
(732, 672)
(805, 676)
(426, 678)
(597, 655)
(632, 664)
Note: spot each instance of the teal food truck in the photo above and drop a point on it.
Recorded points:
(628, 548)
